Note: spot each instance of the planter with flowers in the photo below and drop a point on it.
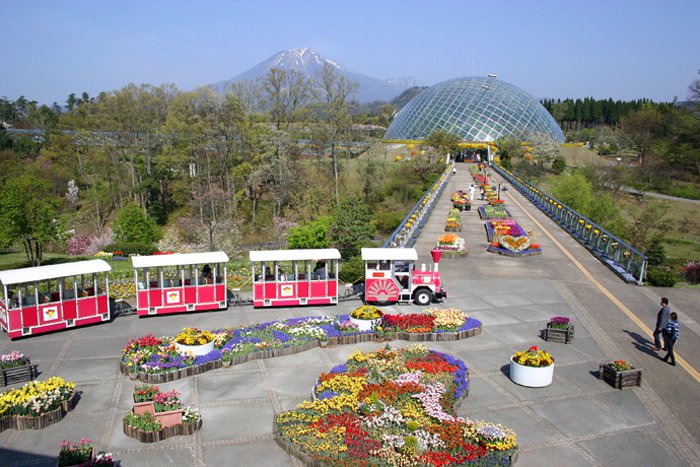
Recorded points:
(15, 368)
(454, 221)
(620, 374)
(168, 408)
(366, 317)
(559, 329)
(37, 404)
(143, 399)
(194, 341)
(147, 429)
(452, 246)
(82, 454)
(532, 368)
(460, 200)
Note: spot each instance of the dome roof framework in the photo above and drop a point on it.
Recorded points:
(475, 108)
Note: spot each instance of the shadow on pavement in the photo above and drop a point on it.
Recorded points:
(641, 343)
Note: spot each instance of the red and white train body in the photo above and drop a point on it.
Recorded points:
(179, 283)
(294, 277)
(49, 298)
(391, 276)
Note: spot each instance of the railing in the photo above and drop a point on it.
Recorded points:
(627, 262)
(406, 233)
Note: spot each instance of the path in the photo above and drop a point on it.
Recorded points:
(578, 420)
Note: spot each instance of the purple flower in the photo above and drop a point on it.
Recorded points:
(327, 394)
(339, 369)
(282, 336)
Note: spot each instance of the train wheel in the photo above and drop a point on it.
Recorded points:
(423, 297)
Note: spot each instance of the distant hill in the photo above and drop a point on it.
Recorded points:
(402, 99)
(309, 63)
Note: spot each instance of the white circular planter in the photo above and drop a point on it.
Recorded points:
(197, 350)
(365, 324)
(531, 376)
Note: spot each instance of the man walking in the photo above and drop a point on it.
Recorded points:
(671, 336)
(661, 323)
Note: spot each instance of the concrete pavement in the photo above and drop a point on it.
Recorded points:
(578, 420)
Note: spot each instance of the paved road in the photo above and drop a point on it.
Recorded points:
(577, 421)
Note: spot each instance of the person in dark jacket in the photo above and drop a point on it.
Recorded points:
(661, 323)
(671, 336)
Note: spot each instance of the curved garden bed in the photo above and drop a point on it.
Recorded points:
(37, 404)
(392, 407)
(156, 360)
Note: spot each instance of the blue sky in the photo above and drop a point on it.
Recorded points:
(620, 49)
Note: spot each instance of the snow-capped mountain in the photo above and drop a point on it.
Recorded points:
(309, 63)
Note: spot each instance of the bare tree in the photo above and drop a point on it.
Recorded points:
(334, 93)
(286, 93)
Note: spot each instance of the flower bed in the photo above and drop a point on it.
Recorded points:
(454, 221)
(392, 407)
(15, 368)
(493, 212)
(83, 454)
(452, 246)
(532, 368)
(460, 200)
(37, 404)
(508, 238)
(156, 360)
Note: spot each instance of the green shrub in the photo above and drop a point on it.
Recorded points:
(656, 253)
(131, 248)
(352, 269)
(660, 277)
(312, 234)
(132, 225)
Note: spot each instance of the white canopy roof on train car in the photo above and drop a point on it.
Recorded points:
(178, 259)
(53, 271)
(389, 254)
(295, 255)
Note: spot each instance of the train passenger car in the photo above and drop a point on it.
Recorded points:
(295, 277)
(49, 298)
(178, 283)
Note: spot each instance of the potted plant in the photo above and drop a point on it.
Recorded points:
(366, 317)
(532, 368)
(15, 368)
(143, 399)
(620, 374)
(168, 408)
(72, 454)
(194, 341)
(559, 329)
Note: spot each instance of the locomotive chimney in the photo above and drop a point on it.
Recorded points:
(436, 254)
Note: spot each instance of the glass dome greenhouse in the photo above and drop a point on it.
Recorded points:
(475, 108)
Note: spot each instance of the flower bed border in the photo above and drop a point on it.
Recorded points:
(18, 374)
(28, 422)
(349, 339)
(619, 379)
(453, 229)
(454, 254)
(564, 336)
(506, 252)
(183, 429)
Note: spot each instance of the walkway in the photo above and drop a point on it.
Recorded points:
(578, 420)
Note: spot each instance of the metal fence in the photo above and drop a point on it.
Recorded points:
(627, 262)
(406, 233)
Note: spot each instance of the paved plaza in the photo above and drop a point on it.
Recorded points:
(577, 421)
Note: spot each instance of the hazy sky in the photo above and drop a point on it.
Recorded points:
(559, 48)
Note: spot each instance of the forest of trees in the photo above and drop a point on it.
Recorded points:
(208, 170)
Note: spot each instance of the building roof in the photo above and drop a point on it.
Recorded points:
(392, 254)
(295, 255)
(178, 259)
(476, 109)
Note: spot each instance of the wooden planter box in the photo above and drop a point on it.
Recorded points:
(17, 374)
(619, 379)
(564, 336)
(183, 429)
